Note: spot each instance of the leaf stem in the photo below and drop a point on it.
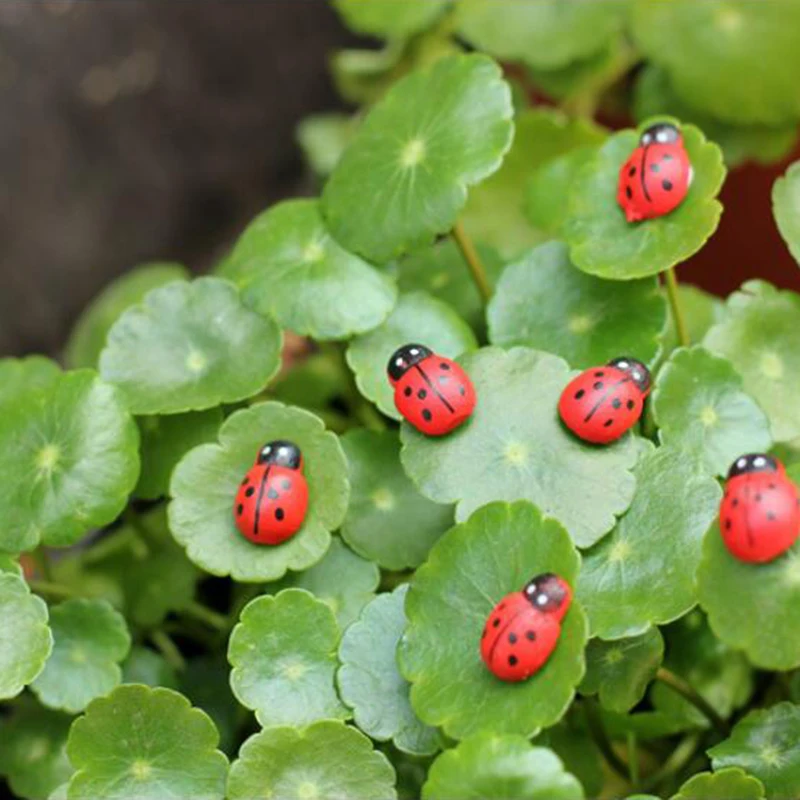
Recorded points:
(168, 649)
(682, 754)
(689, 693)
(473, 260)
(53, 589)
(671, 282)
(598, 732)
(207, 615)
(42, 561)
(633, 758)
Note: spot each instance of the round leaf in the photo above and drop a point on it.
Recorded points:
(288, 266)
(699, 406)
(573, 744)
(727, 784)
(323, 138)
(603, 243)
(643, 573)
(786, 207)
(18, 376)
(370, 683)
(389, 18)
(417, 317)
(499, 549)
(139, 743)
(489, 766)
(190, 346)
(388, 521)
(436, 132)
(205, 482)
(327, 759)
(283, 654)
(525, 453)
(89, 641)
(544, 302)
(148, 667)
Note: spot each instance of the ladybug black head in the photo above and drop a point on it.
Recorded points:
(753, 462)
(547, 592)
(662, 133)
(638, 371)
(281, 453)
(404, 358)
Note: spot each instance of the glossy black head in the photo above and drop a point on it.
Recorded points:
(281, 453)
(663, 133)
(546, 592)
(404, 358)
(638, 371)
(752, 462)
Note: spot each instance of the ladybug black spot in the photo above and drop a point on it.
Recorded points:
(407, 391)
(616, 402)
(728, 524)
(239, 509)
(632, 172)
(630, 405)
(422, 394)
(772, 486)
(667, 185)
(272, 494)
(512, 661)
(530, 636)
(279, 514)
(444, 366)
(771, 516)
(512, 638)
(250, 492)
(758, 498)
(427, 416)
(599, 374)
(666, 157)
(495, 622)
(462, 391)
(628, 192)
(598, 385)
(286, 483)
(735, 502)
(580, 393)
(608, 423)
(654, 167)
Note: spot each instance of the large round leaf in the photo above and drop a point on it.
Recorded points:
(68, 461)
(190, 346)
(515, 447)
(283, 654)
(643, 574)
(543, 301)
(389, 18)
(140, 743)
(727, 784)
(786, 207)
(497, 551)
(205, 482)
(603, 243)
(324, 760)
(18, 376)
(436, 132)
(288, 266)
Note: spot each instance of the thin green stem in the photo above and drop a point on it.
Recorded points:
(598, 732)
(168, 649)
(683, 753)
(688, 692)
(52, 589)
(110, 544)
(633, 758)
(473, 260)
(207, 615)
(671, 282)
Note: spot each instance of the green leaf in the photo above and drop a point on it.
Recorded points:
(573, 744)
(88, 337)
(620, 671)
(543, 302)
(9, 563)
(370, 683)
(288, 266)
(205, 482)
(68, 461)
(585, 75)
(489, 766)
(436, 132)
(388, 521)
(786, 208)
(701, 311)
(89, 641)
(416, 318)
(699, 406)
(327, 759)
(319, 379)
(603, 243)
(188, 347)
(643, 573)
(526, 453)
(389, 18)
(148, 667)
(764, 744)
(760, 335)
(283, 654)
(733, 58)
(727, 784)
(323, 138)
(140, 743)
(497, 551)
(20, 376)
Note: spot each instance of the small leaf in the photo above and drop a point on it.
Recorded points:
(573, 744)
(620, 671)
(786, 208)
(699, 406)
(701, 311)
(327, 759)
(370, 683)
(389, 18)
(288, 266)
(643, 573)
(19, 376)
(544, 302)
(323, 138)
(139, 743)
(451, 596)
(603, 243)
(89, 641)
(205, 482)
(416, 318)
(727, 784)
(148, 667)
(489, 766)
(436, 132)
(526, 453)
(188, 347)
(388, 520)
(283, 654)
(580, 76)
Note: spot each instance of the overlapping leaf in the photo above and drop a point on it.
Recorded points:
(148, 667)
(323, 138)
(389, 18)
(19, 376)
(727, 784)
(786, 207)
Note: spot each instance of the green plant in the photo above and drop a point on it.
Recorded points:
(174, 658)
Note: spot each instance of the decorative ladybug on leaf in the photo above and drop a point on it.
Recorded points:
(602, 403)
(657, 176)
(273, 497)
(432, 392)
(760, 513)
(524, 627)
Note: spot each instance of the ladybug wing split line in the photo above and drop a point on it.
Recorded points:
(427, 380)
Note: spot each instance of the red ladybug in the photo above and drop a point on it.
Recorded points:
(760, 513)
(432, 392)
(523, 629)
(272, 500)
(602, 403)
(656, 177)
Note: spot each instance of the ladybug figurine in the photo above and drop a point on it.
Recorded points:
(759, 515)
(523, 629)
(602, 403)
(657, 176)
(432, 392)
(273, 497)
